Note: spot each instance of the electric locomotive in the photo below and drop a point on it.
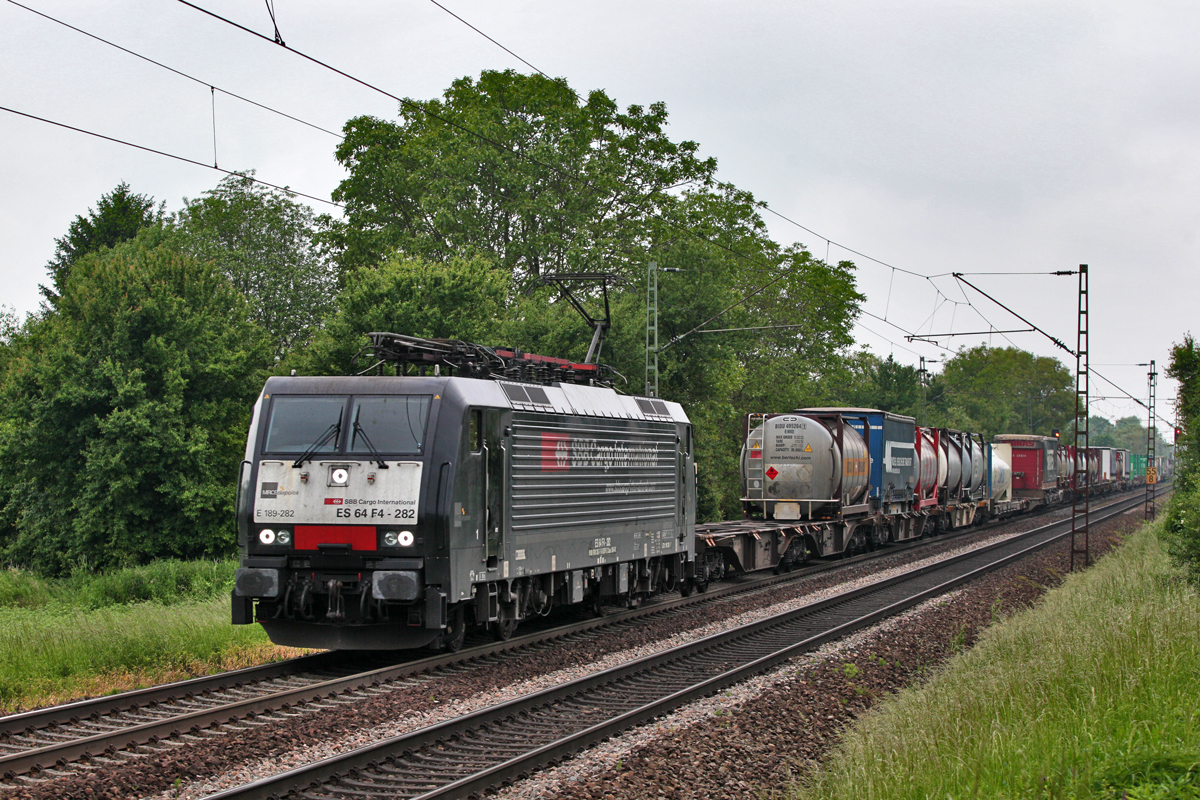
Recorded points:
(381, 512)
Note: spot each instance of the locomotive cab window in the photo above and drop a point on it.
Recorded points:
(300, 423)
(389, 424)
(475, 430)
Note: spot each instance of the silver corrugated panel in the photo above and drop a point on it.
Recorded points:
(592, 472)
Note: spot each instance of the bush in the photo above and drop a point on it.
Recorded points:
(1181, 529)
(23, 589)
(164, 582)
(123, 414)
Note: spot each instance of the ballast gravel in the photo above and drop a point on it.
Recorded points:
(762, 738)
(205, 762)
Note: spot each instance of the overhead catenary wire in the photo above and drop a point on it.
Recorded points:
(279, 41)
(213, 89)
(178, 72)
(184, 159)
(490, 39)
(409, 104)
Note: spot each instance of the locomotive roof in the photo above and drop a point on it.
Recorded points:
(559, 398)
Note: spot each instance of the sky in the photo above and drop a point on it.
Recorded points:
(1002, 140)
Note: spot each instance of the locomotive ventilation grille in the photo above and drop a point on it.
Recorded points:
(592, 472)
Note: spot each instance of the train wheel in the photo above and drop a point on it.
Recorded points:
(595, 605)
(503, 630)
(454, 634)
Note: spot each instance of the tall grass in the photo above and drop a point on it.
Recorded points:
(95, 634)
(43, 653)
(166, 582)
(1095, 693)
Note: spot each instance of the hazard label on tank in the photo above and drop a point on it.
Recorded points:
(808, 448)
(772, 473)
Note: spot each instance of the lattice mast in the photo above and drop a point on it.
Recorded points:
(1151, 438)
(1081, 483)
(652, 329)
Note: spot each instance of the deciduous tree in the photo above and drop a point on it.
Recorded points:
(125, 412)
(265, 242)
(515, 167)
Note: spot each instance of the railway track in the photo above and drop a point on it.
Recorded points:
(469, 754)
(53, 737)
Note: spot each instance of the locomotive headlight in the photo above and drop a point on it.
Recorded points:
(406, 538)
(389, 539)
(266, 536)
(283, 537)
(339, 476)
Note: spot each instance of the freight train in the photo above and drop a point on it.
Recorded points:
(837, 481)
(389, 512)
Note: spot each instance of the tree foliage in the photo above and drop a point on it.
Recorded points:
(1182, 525)
(1127, 433)
(460, 298)
(125, 411)
(514, 167)
(265, 243)
(521, 173)
(995, 390)
(118, 217)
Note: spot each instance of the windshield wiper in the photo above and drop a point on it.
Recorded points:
(330, 433)
(360, 431)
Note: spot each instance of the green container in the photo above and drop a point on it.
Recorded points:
(1139, 465)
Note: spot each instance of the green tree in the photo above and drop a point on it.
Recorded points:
(125, 412)
(265, 242)
(513, 166)
(1182, 526)
(1002, 390)
(461, 298)
(880, 383)
(118, 217)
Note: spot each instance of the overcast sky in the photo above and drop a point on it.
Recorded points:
(936, 137)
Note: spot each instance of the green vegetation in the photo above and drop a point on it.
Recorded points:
(1092, 694)
(1181, 530)
(166, 583)
(125, 411)
(96, 634)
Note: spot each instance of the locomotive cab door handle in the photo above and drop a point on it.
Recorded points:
(487, 495)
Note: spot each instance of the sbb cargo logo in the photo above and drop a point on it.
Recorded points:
(560, 453)
(556, 452)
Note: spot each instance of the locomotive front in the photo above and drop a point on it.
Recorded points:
(334, 522)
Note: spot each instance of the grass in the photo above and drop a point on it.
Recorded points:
(164, 582)
(1095, 693)
(91, 635)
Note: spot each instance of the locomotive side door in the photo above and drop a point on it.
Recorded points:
(495, 457)
(686, 482)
